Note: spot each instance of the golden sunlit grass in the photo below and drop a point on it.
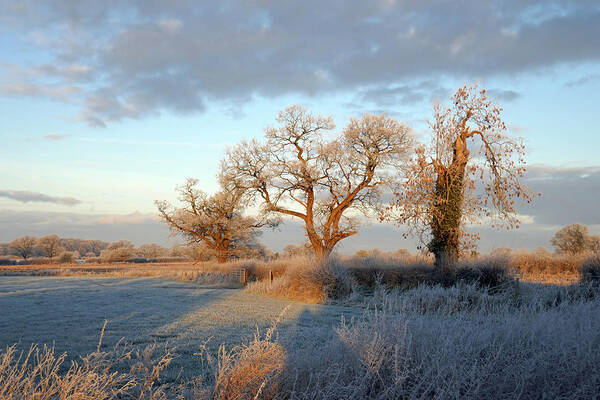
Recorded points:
(563, 269)
(251, 371)
(302, 279)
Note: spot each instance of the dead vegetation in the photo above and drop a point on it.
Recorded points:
(302, 278)
(461, 342)
(41, 374)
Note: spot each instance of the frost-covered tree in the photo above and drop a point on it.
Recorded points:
(574, 239)
(24, 246)
(152, 250)
(50, 245)
(217, 220)
(326, 184)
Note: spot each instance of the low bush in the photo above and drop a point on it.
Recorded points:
(68, 257)
(136, 260)
(487, 272)
(590, 270)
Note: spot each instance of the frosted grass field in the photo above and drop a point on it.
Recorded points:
(69, 312)
(461, 342)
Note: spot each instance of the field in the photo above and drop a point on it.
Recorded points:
(69, 313)
(382, 330)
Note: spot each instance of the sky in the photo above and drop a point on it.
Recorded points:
(106, 106)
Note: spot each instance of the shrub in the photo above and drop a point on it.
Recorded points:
(489, 273)
(590, 270)
(332, 277)
(116, 254)
(137, 260)
(67, 257)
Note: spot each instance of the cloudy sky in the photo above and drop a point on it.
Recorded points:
(105, 106)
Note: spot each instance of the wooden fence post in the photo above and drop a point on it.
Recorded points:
(271, 276)
(244, 275)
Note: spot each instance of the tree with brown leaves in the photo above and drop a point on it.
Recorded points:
(325, 184)
(469, 173)
(217, 220)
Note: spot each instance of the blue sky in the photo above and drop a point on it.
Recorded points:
(114, 104)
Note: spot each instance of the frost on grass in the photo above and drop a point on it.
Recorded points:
(461, 342)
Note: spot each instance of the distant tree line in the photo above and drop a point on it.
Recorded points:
(52, 246)
(55, 248)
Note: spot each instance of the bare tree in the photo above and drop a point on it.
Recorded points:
(325, 184)
(119, 244)
(575, 239)
(470, 172)
(50, 245)
(292, 250)
(152, 250)
(96, 246)
(216, 221)
(24, 246)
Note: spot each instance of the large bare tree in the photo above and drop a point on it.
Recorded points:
(326, 184)
(470, 172)
(217, 220)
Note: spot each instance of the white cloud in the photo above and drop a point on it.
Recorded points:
(25, 196)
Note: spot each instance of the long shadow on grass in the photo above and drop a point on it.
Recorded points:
(70, 312)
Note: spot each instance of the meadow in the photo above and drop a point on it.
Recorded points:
(379, 326)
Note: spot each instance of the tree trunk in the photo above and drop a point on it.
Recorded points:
(222, 256)
(447, 213)
(322, 253)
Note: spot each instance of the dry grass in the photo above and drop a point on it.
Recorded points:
(548, 268)
(200, 274)
(308, 281)
(296, 283)
(434, 342)
(40, 374)
(302, 279)
(250, 371)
